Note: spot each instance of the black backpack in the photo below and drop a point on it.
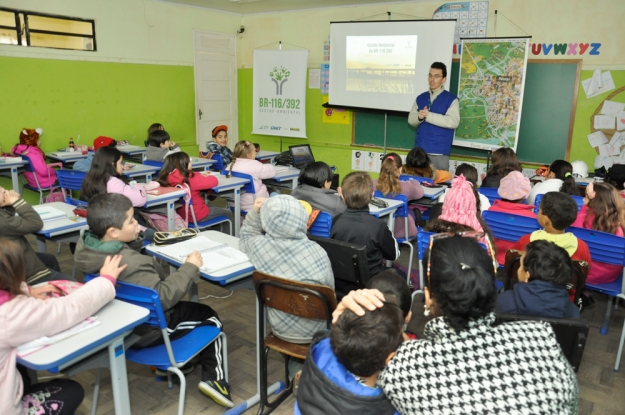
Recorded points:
(616, 175)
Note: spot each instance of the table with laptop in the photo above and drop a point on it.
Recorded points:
(287, 177)
(263, 155)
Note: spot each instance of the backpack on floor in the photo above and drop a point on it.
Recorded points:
(159, 221)
(55, 195)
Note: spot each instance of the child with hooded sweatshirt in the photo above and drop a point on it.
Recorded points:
(29, 146)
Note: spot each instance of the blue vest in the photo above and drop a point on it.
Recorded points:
(434, 139)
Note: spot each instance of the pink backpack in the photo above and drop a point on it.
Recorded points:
(159, 221)
(55, 195)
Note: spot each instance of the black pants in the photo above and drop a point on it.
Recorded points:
(57, 397)
(185, 317)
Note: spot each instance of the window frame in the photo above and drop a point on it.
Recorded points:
(27, 30)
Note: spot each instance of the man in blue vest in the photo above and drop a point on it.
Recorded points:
(436, 114)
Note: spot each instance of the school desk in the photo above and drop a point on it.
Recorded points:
(389, 212)
(232, 185)
(13, 168)
(221, 277)
(117, 319)
(61, 230)
(66, 157)
(201, 164)
(285, 179)
(141, 170)
(133, 152)
(168, 199)
(266, 155)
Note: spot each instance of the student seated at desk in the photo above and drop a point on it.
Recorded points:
(114, 231)
(418, 163)
(274, 237)
(178, 170)
(160, 146)
(29, 146)
(543, 274)
(18, 219)
(389, 185)
(503, 162)
(470, 173)
(27, 314)
(84, 165)
(559, 179)
(219, 145)
(313, 187)
(356, 225)
(154, 127)
(245, 162)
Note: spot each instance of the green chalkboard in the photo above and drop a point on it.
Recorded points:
(546, 118)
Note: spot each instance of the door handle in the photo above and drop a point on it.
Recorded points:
(200, 114)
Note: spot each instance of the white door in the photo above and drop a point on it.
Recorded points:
(215, 86)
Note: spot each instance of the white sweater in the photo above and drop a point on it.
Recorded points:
(549, 185)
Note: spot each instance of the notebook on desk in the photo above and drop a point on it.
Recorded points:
(48, 213)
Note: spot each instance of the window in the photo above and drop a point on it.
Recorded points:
(24, 28)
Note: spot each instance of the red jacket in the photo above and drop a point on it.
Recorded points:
(197, 182)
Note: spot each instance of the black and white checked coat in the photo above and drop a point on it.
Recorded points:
(511, 368)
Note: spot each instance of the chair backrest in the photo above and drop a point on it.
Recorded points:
(491, 193)
(571, 334)
(423, 242)
(603, 246)
(322, 225)
(513, 263)
(406, 177)
(293, 297)
(153, 163)
(219, 165)
(349, 261)
(70, 180)
(509, 227)
(402, 210)
(249, 186)
(578, 199)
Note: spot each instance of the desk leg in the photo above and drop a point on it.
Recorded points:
(14, 175)
(237, 211)
(170, 215)
(119, 377)
(148, 177)
(41, 244)
(391, 225)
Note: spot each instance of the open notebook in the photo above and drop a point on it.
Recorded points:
(49, 213)
(215, 256)
(38, 344)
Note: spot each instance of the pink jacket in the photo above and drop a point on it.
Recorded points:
(24, 318)
(197, 183)
(599, 272)
(45, 175)
(136, 193)
(258, 171)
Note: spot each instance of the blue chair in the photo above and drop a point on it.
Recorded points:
(402, 212)
(509, 227)
(171, 355)
(153, 163)
(490, 193)
(610, 249)
(322, 225)
(31, 169)
(71, 180)
(206, 223)
(578, 199)
(219, 163)
(406, 177)
(249, 186)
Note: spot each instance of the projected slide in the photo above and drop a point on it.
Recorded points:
(383, 64)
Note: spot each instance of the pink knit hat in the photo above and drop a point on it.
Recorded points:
(514, 186)
(459, 205)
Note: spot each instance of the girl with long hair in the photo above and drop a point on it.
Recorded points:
(418, 163)
(559, 179)
(504, 160)
(470, 173)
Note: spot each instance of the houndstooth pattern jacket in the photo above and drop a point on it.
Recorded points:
(511, 368)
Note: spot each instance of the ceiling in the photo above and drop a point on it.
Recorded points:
(270, 6)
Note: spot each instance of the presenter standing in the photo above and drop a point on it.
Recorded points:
(436, 114)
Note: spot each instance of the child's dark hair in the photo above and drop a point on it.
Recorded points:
(362, 344)
(12, 272)
(107, 210)
(470, 173)
(175, 161)
(560, 208)
(154, 127)
(315, 174)
(102, 169)
(390, 282)
(388, 182)
(242, 149)
(357, 190)
(503, 162)
(563, 170)
(418, 163)
(606, 210)
(547, 261)
(158, 137)
(462, 280)
(441, 66)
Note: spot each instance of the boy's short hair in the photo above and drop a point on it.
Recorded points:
(357, 190)
(560, 208)
(547, 261)
(158, 137)
(362, 344)
(107, 210)
(315, 174)
(390, 282)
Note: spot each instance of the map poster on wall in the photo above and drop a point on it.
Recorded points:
(490, 92)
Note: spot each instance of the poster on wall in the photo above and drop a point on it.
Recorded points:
(471, 19)
(334, 115)
(280, 92)
(490, 92)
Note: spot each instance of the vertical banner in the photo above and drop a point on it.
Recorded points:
(280, 92)
(490, 92)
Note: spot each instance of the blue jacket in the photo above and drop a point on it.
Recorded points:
(84, 165)
(537, 298)
(434, 139)
(327, 388)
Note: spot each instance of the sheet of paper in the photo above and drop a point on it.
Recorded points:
(620, 121)
(608, 150)
(617, 160)
(617, 139)
(358, 160)
(612, 108)
(596, 77)
(603, 161)
(598, 84)
(596, 139)
(314, 78)
(604, 122)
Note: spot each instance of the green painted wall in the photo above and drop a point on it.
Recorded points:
(71, 98)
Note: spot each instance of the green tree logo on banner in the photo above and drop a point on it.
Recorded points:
(279, 77)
